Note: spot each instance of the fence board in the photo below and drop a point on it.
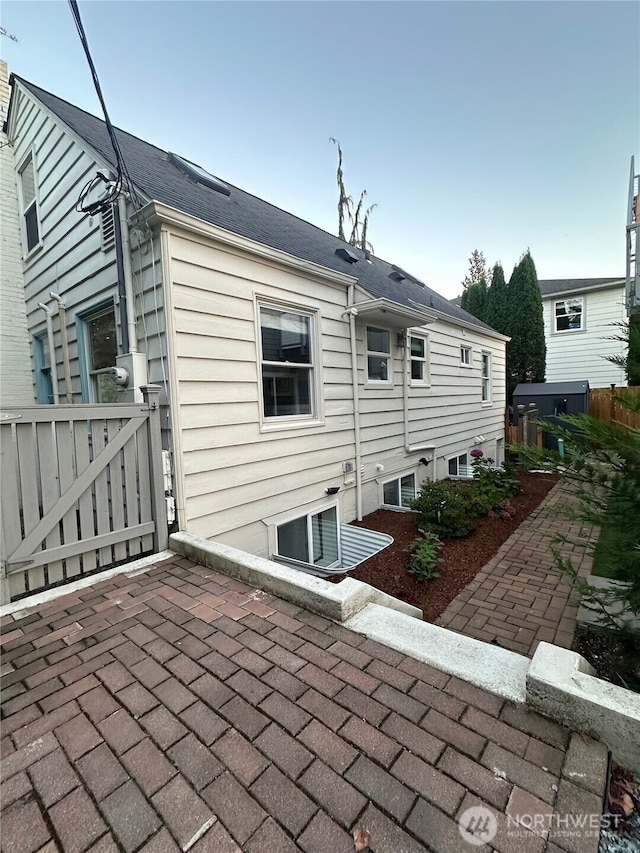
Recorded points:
(117, 495)
(131, 488)
(67, 473)
(29, 488)
(101, 486)
(144, 484)
(11, 528)
(85, 501)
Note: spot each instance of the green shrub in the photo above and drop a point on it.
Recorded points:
(445, 508)
(424, 556)
(491, 486)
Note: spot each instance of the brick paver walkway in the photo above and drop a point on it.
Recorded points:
(181, 710)
(520, 598)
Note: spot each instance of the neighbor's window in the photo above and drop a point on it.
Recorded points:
(28, 198)
(101, 348)
(569, 315)
(486, 377)
(459, 466)
(399, 492)
(465, 356)
(311, 538)
(286, 349)
(378, 355)
(42, 364)
(419, 361)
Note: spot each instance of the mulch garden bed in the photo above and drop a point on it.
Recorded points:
(463, 558)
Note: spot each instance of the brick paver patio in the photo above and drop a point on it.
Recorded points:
(178, 709)
(520, 598)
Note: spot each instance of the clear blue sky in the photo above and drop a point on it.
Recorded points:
(489, 125)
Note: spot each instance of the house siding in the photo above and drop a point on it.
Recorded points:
(238, 480)
(581, 354)
(236, 475)
(15, 355)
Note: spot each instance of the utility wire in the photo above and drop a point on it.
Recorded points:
(123, 179)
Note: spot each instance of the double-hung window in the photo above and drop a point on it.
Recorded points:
(419, 360)
(378, 355)
(459, 466)
(399, 492)
(29, 203)
(98, 344)
(312, 538)
(486, 377)
(287, 363)
(569, 315)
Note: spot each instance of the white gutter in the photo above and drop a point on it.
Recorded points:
(128, 274)
(52, 351)
(353, 313)
(62, 313)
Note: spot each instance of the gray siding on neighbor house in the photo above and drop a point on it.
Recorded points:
(72, 260)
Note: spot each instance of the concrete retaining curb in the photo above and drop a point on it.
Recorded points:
(336, 601)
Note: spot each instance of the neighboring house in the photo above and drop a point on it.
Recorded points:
(16, 387)
(304, 382)
(580, 317)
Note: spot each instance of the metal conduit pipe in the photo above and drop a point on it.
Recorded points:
(125, 243)
(62, 313)
(356, 401)
(52, 351)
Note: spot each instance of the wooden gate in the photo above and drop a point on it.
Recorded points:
(82, 490)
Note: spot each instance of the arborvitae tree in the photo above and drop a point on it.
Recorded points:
(497, 313)
(475, 299)
(527, 351)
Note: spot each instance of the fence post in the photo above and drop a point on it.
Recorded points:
(151, 396)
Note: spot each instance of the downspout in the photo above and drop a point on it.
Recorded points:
(408, 447)
(62, 314)
(125, 277)
(52, 352)
(356, 401)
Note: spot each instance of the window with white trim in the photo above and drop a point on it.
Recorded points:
(29, 203)
(486, 377)
(312, 538)
(42, 364)
(459, 466)
(101, 348)
(465, 355)
(419, 358)
(569, 315)
(378, 355)
(287, 363)
(399, 492)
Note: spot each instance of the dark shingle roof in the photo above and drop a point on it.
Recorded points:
(242, 213)
(553, 286)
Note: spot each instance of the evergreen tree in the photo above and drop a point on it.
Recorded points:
(527, 351)
(475, 299)
(477, 270)
(497, 313)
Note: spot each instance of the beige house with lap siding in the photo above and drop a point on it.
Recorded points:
(304, 382)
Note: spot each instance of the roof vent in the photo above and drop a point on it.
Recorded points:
(347, 256)
(198, 174)
(398, 271)
(396, 275)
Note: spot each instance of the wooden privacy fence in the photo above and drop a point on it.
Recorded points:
(82, 490)
(603, 406)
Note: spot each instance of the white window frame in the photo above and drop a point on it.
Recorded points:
(314, 417)
(425, 381)
(555, 316)
(485, 376)
(398, 478)
(382, 355)
(460, 476)
(466, 355)
(26, 206)
(309, 516)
